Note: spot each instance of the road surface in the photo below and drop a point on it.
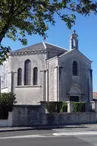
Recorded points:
(57, 137)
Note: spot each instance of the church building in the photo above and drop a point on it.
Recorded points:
(45, 72)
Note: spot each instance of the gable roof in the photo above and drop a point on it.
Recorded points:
(51, 46)
(74, 50)
(31, 48)
(39, 46)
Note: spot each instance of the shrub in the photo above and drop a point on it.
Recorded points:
(78, 107)
(63, 107)
(57, 107)
(7, 100)
(51, 107)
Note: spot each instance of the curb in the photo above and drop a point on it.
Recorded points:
(46, 127)
(15, 129)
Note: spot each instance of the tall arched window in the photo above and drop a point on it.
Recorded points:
(19, 77)
(27, 72)
(75, 68)
(35, 75)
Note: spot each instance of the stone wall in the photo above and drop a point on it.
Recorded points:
(52, 65)
(67, 79)
(27, 115)
(35, 115)
(33, 93)
(71, 118)
(25, 94)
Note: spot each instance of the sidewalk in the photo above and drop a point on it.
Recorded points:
(74, 128)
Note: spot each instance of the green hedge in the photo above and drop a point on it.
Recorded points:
(7, 100)
(57, 107)
(78, 106)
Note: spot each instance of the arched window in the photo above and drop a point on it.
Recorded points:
(75, 68)
(27, 72)
(19, 77)
(35, 75)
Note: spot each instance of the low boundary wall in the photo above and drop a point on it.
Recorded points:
(27, 115)
(35, 116)
(71, 118)
(7, 122)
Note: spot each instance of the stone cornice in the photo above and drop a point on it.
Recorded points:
(28, 86)
(34, 52)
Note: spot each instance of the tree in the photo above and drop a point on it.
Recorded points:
(21, 17)
(7, 100)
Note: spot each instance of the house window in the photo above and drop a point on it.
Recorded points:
(27, 72)
(35, 75)
(19, 77)
(75, 68)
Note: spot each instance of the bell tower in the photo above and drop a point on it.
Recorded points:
(74, 41)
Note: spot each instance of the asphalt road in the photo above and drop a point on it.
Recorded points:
(47, 141)
(45, 138)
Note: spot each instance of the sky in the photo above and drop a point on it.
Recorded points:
(86, 28)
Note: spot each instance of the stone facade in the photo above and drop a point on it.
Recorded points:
(55, 78)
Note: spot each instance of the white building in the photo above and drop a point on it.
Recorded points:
(45, 72)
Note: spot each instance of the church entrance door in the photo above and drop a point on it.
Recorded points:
(74, 92)
(74, 98)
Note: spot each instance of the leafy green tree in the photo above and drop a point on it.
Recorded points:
(7, 100)
(21, 17)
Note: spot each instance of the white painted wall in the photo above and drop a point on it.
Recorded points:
(8, 122)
